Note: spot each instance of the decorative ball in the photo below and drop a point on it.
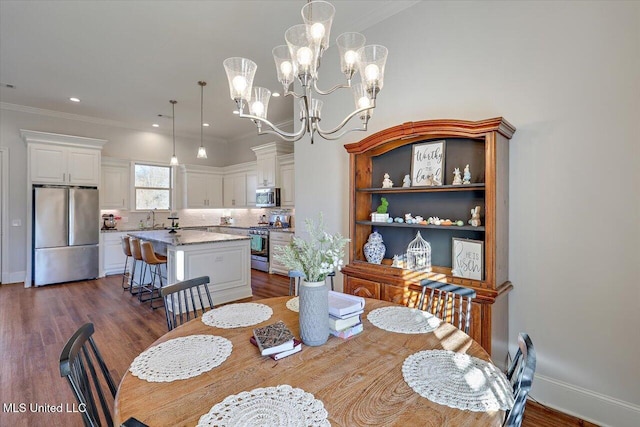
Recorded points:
(389, 220)
(460, 223)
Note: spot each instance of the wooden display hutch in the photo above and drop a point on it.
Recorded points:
(484, 145)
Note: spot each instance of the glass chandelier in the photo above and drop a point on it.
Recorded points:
(300, 58)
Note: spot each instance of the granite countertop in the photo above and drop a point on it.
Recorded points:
(185, 237)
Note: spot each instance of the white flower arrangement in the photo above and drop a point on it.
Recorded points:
(316, 258)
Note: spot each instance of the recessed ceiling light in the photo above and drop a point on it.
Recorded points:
(74, 99)
(275, 94)
(205, 125)
(155, 125)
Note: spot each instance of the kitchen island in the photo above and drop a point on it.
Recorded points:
(225, 258)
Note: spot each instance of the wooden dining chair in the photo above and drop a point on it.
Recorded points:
(294, 281)
(520, 373)
(451, 303)
(180, 302)
(78, 362)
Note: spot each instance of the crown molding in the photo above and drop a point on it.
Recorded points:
(88, 119)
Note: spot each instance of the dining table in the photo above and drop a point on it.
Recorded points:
(360, 381)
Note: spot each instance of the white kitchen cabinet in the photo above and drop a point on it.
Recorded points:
(54, 164)
(204, 190)
(112, 255)
(252, 184)
(114, 187)
(287, 181)
(278, 239)
(267, 168)
(235, 190)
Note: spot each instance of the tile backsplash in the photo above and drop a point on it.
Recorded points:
(196, 217)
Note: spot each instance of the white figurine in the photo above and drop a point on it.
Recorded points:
(435, 181)
(467, 176)
(396, 261)
(406, 182)
(457, 180)
(475, 217)
(386, 182)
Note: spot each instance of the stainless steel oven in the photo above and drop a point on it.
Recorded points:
(259, 248)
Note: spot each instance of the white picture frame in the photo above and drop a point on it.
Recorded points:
(427, 164)
(467, 258)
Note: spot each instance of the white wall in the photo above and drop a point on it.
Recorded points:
(565, 74)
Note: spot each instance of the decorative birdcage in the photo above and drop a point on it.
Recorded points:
(419, 254)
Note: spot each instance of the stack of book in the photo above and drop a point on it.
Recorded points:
(275, 340)
(344, 314)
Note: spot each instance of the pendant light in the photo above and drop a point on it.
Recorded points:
(202, 152)
(174, 159)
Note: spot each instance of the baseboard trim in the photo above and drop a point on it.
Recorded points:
(15, 277)
(588, 405)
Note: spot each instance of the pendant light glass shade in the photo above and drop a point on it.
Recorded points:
(202, 152)
(174, 159)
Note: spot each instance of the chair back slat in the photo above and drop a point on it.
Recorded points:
(180, 300)
(520, 374)
(78, 361)
(451, 303)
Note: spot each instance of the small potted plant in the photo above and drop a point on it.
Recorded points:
(315, 258)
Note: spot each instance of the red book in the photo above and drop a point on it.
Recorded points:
(297, 346)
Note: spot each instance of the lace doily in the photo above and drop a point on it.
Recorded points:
(181, 358)
(403, 320)
(237, 315)
(294, 304)
(271, 406)
(458, 380)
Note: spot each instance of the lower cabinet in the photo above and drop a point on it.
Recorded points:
(111, 253)
(278, 239)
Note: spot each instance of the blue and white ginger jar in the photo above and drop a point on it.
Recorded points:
(374, 249)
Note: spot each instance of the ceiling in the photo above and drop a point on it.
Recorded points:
(126, 59)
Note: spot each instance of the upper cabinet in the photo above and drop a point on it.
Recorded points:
(64, 165)
(235, 190)
(287, 180)
(63, 159)
(202, 187)
(267, 167)
(114, 186)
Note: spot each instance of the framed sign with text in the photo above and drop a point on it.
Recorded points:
(427, 164)
(467, 258)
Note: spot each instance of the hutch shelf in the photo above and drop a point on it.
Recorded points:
(484, 146)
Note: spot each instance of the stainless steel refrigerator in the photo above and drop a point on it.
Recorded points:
(65, 234)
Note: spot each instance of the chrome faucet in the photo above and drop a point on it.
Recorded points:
(153, 218)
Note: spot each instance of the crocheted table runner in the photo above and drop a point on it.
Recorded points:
(181, 358)
(403, 320)
(294, 304)
(237, 315)
(277, 406)
(458, 380)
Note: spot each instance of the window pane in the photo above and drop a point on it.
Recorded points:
(152, 199)
(152, 176)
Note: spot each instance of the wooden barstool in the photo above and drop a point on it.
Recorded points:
(126, 276)
(152, 259)
(136, 254)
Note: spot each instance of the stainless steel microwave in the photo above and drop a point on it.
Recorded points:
(267, 197)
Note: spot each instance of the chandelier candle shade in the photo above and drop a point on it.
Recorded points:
(174, 159)
(202, 152)
(300, 58)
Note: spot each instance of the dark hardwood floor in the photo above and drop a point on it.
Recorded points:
(35, 323)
